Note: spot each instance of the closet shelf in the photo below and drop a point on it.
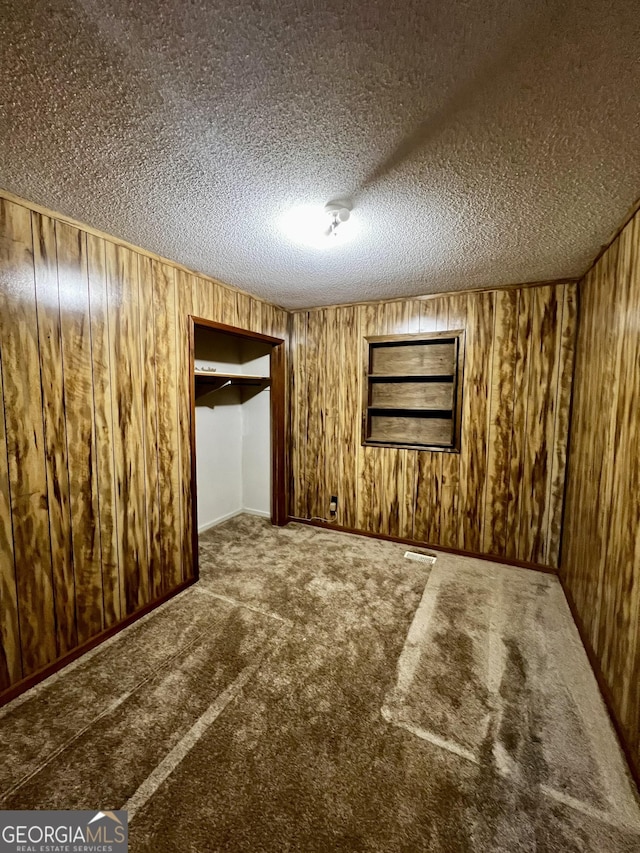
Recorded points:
(207, 381)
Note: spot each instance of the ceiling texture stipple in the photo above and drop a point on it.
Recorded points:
(481, 143)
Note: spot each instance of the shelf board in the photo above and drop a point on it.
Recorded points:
(417, 411)
(207, 382)
(210, 374)
(412, 377)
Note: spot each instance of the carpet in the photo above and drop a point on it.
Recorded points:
(278, 706)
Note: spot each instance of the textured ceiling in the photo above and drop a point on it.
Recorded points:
(482, 142)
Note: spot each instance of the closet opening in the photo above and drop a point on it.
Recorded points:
(237, 425)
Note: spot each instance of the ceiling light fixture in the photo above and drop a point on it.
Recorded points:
(320, 227)
(338, 212)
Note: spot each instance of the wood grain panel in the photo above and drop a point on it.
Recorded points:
(55, 429)
(432, 360)
(410, 430)
(128, 432)
(475, 417)
(10, 656)
(297, 386)
(600, 566)
(184, 294)
(169, 471)
(95, 475)
(416, 395)
(205, 302)
(369, 465)
(457, 318)
(470, 499)
(75, 325)
(147, 337)
(349, 415)
(543, 384)
(25, 446)
(501, 404)
(103, 406)
(519, 421)
(332, 435)
(316, 401)
(563, 408)
(395, 320)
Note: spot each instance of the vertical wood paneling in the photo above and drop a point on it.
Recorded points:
(518, 426)
(128, 432)
(95, 467)
(600, 566)
(25, 438)
(147, 339)
(370, 460)
(475, 417)
(331, 434)
(55, 429)
(10, 656)
(103, 407)
(349, 414)
(501, 405)
(205, 302)
(73, 284)
(395, 321)
(450, 488)
(184, 294)
(563, 408)
(297, 384)
(472, 499)
(169, 472)
(543, 383)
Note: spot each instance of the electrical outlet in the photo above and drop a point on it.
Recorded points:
(333, 506)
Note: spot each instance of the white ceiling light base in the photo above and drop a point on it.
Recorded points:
(338, 212)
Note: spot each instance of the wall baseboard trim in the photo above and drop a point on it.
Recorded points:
(261, 513)
(36, 677)
(633, 761)
(493, 558)
(243, 511)
(209, 524)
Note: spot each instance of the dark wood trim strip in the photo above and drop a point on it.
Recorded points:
(236, 331)
(279, 485)
(632, 760)
(36, 677)
(445, 294)
(195, 551)
(493, 558)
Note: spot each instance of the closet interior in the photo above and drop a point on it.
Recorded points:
(233, 446)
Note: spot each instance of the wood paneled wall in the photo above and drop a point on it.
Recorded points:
(601, 535)
(503, 493)
(95, 467)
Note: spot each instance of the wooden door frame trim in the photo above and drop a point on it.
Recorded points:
(279, 485)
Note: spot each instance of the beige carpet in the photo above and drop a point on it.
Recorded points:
(317, 692)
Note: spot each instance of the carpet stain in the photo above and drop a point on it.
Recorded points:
(302, 758)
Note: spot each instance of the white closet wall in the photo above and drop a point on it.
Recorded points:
(219, 458)
(256, 454)
(233, 433)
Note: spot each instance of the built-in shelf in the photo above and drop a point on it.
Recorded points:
(412, 377)
(207, 381)
(412, 391)
(418, 412)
